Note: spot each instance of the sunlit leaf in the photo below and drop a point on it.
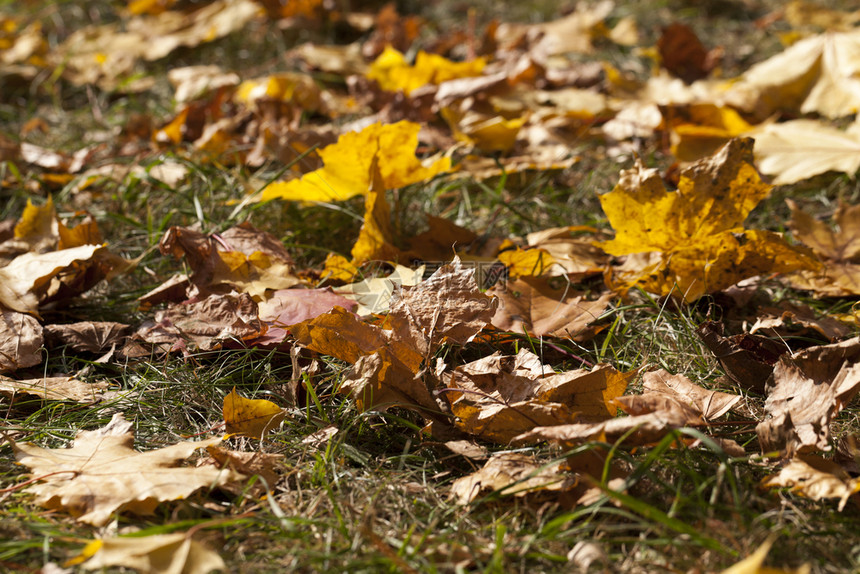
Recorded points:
(347, 169)
(393, 72)
(696, 233)
(250, 417)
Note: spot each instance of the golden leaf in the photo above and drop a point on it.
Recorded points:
(393, 72)
(695, 235)
(347, 165)
(250, 417)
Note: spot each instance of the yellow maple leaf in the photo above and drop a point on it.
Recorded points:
(696, 232)
(700, 129)
(393, 72)
(250, 417)
(526, 262)
(347, 165)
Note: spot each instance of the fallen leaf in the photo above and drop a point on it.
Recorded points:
(250, 417)
(382, 380)
(101, 474)
(287, 307)
(708, 404)
(540, 306)
(838, 249)
(342, 335)
(571, 248)
(797, 322)
(20, 340)
(513, 474)
(393, 72)
(526, 262)
(572, 33)
(206, 324)
(56, 389)
(699, 130)
(174, 553)
(799, 149)
(244, 258)
(32, 277)
(373, 295)
(817, 74)
(499, 397)
(105, 55)
(747, 359)
(697, 230)
(810, 387)
(87, 336)
(683, 54)
(448, 306)
(641, 429)
(347, 169)
(815, 478)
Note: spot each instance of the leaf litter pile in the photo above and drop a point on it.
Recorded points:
(293, 286)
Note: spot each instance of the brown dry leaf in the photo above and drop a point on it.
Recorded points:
(195, 82)
(499, 397)
(32, 278)
(175, 553)
(104, 55)
(38, 226)
(243, 257)
(258, 463)
(481, 168)
(20, 340)
(56, 389)
(448, 306)
(572, 33)
(345, 60)
(250, 417)
(547, 306)
(87, 336)
(815, 75)
(838, 248)
(683, 54)
(797, 322)
(571, 248)
(796, 150)
(101, 473)
(205, 324)
(342, 335)
(287, 307)
(747, 359)
(382, 380)
(514, 474)
(641, 429)
(698, 229)
(809, 389)
(816, 478)
(441, 241)
(708, 404)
